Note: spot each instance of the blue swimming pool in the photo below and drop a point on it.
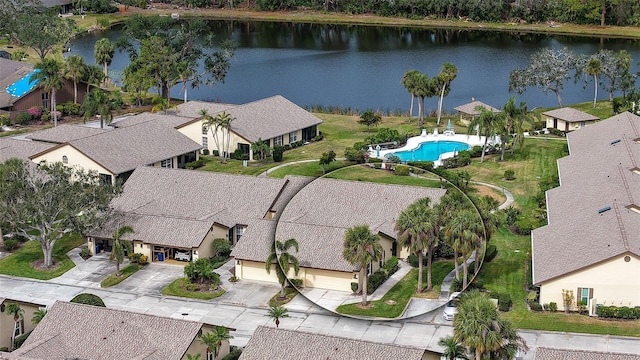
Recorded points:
(431, 150)
(23, 85)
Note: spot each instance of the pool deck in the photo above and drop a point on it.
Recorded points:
(414, 142)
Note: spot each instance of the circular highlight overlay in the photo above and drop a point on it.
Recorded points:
(368, 226)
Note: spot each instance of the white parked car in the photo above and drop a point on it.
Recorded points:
(451, 309)
(183, 256)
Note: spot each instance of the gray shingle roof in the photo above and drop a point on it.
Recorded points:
(470, 108)
(125, 149)
(543, 353)
(319, 215)
(91, 332)
(10, 72)
(262, 119)
(596, 175)
(176, 207)
(171, 120)
(271, 343)
(192, 108)
(65, 133)
(570, 115)
(22, 149)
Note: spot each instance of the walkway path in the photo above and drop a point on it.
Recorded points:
(305, 316)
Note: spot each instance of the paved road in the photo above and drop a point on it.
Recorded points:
(244, 312)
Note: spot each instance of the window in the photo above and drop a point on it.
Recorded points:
(65, 159)
(204, 130)
(105, 179)
(167, 163)
(277, 140)
(45, 100)
(19, 328)
(583, 124)
(205, 142)
(210, 355)
(584, 294)
(293, 137)
(239, 232)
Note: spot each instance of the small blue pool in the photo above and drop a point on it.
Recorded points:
(23, 85)
(431, 150)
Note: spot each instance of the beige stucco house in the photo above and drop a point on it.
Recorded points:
(114, 154)
(470, 110)
(568, 119)
(281, 344)
(77, 331)
(274, 120)
(9, 327)
(173, 210)
(318, 217)
(591, 244)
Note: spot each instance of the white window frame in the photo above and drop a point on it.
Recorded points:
(210, 355)
(277, 140)
(65, 159)
(239, 232)
(205, 130)
(167, 163)
(205, 142)
(293, 137)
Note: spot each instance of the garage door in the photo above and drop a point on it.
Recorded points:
(252, 270)
(326, 279)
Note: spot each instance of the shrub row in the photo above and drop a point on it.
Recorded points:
(10, 244)
(377, 278)
(195, 164)
(615, 312)
(504, 301)
(139, 258)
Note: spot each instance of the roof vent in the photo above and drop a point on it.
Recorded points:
(615, 141)
(604, 209)
(635, 170)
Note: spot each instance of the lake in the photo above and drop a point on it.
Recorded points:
(361, 66)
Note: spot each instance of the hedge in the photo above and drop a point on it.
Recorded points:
(491, 253)
(88, 299)
(615, 312)
(377, 278)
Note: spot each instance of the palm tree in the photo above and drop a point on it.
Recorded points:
(277, 312)
(185, 73)
(220, 126)
(448, 73)
(74, 68)
(283, 259)
(486, 124)
(424, 88)
(479, 327)
(92, 76)
(17, 312)
(594, 68)
(99, 102)
(214, 340)
(408, 81)
(103, 51)
(452, 349)
(418, 231)
(38, 316)
(446, 210)
(119, 246)
(361, 248)
(49, 75)
(463, 228)
(510, 121)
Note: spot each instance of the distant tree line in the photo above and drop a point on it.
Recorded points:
(600, 12)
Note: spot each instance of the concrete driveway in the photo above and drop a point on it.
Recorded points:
(151, 279)
(86, 273)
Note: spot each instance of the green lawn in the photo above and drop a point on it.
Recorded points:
(179, 287)
(19, 263)
(124, 273)
(401, 293)
(312, 169)
(365, 173)
(289, 294)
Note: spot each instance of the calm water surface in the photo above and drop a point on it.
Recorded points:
(361, 66)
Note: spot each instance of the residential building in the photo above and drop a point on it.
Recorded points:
(568, 119)
(9, 328)
(591, 245)
(318, 217)
(183, 211)
(114, 154)
(281, 344)
(543, 353)
(274, 120)
(78, 331)
(18, 93)
(21, 149)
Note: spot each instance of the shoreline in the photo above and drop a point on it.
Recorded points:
(317, 17)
